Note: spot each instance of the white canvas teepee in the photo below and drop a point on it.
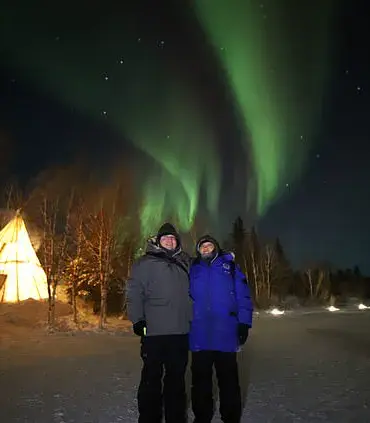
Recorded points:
(21, 274)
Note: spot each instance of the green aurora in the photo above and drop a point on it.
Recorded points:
(278, 97)
(159, 113)
(277, 76)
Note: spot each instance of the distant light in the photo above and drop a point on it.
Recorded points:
(332, 308)
(363, 307)
(276, 312)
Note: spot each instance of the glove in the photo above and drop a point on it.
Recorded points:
(139, 327)
(243, 330)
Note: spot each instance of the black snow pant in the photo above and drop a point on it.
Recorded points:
(166, 355)
(228, 383)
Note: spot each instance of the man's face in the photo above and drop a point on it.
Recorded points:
(168, 242)
(206, 248)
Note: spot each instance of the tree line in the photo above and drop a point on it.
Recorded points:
(274, 281)
(87, 238)
(86, 241)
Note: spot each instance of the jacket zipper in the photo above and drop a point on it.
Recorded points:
(209, 305)
(209, 315)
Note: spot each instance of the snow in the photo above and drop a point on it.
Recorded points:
(296, 367)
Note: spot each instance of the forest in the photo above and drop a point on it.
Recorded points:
(87, 235)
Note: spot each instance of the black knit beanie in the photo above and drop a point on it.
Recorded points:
(168, 229)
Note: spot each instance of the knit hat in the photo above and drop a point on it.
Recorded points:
(207, 238)
(168, 229)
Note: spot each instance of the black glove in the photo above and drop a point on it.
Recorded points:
(139, 327)
(243, 330)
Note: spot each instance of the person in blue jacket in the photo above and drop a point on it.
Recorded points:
(222, 317)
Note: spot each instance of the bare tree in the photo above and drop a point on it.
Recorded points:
(76, 262)
(318, 280)
(254, 256)
(54, 244)
(309, 273)
(323, 280)
(123, 258)
(101, 241)
(269, 264)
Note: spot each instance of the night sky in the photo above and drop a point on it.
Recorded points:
(166, 90)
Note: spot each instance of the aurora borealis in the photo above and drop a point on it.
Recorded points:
(264, 88)
(271, 67)
(160, 114)
(219, 108)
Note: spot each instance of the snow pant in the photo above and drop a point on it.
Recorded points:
(166, 355)
(228, 383)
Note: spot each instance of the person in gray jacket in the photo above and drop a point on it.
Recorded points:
(160, 309)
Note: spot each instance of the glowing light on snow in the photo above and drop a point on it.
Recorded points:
(276, 312)
(332, 308)
(363, 307)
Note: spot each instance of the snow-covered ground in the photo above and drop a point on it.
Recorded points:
(296, 368)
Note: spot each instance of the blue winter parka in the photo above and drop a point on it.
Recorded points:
(221, 300)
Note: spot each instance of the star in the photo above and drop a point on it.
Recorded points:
(104, 113)
(358, 88)
(105, 76)
(161, 44)
(121, 61)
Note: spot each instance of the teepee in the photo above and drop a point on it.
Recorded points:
(21, 274)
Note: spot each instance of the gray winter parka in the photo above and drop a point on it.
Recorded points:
(158, 292)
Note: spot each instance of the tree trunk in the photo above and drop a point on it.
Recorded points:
(246, 267)
(310, 282)
(53, 295)
(74, 300)
(320, 281)
(124, 282)
(103, 303)
(76, 269)
(255, 277)
(50, 308)
(268, 282)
